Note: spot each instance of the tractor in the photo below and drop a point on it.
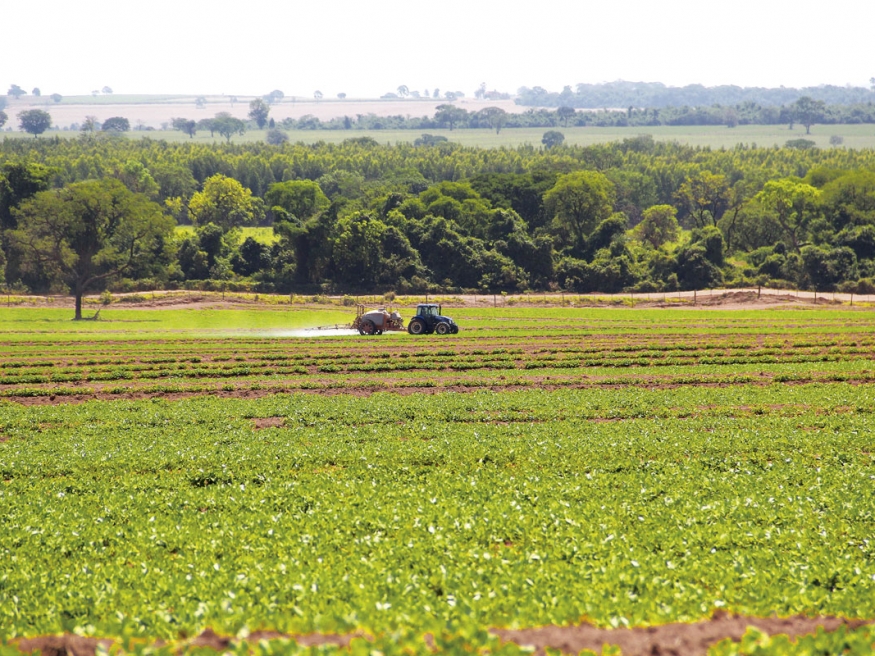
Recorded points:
(428, 319)
(376, 322)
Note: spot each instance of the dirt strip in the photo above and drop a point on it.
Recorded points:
(541, 384)
(677, 639)
(668, 639)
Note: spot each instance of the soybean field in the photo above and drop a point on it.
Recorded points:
(165, 472)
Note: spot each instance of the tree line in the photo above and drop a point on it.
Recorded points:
(658, 95)
(85, 215)
(805, 111)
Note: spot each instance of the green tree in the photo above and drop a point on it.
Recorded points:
(88, 232)
(792, 204)
(227, 126)
(706, 197)
(275, 96)
(494, 116)
(258, 112)
(565, 113)
(89, 125)
(3, 118)
(276, 137)
(56, 97)
(578, 202)
(659, 225)
(357, 250)
(403, 91)
(298, 200)
(34, 121)
(185, 125)
(450, 115)
(224, 202)
(552, 138)
(116, 124)
(207, 124)
(19, 180)
(16, 91)
(808, 112)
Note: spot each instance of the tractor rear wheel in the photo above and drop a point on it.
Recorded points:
(416, 327)
(367, 327)
(442, 328)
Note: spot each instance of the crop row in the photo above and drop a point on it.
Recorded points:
(151, 518)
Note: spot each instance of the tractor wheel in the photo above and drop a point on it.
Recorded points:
(367, 327)
(416, 327)
(442, 328)
(378, 332)
(455, 329)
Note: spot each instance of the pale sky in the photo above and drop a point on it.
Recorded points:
(369, 47)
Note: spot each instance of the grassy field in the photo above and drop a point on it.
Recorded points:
(164, 471)
(855, 136)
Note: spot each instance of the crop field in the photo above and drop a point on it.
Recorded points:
(551, 478)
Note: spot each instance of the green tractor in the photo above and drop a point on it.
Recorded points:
(429, 319)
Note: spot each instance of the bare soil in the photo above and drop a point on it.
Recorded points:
(240, 393)
(677, 639)
(667, 639)
(718, 299)
(259, 423)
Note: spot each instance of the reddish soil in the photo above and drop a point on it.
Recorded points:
(716, 299)
(259, 423)
(540, 383)
(666, 640)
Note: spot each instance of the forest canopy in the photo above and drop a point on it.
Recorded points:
(360, 216)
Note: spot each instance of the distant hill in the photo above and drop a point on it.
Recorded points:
(623, 94)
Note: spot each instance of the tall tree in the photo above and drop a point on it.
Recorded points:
(116, 124)
(565, 113)
(579, 201)
(706, 196)
(3, 118)
(185, 125)
(296, 199)
(19, 180)
(34, 121)
(89, 232)
(16, 91)
(224, 202)
(808, 111)
(659, 225)
(227, 125)
(495, 116)
(449, 115)
(258, 111)
(552, 138)
(792, 204)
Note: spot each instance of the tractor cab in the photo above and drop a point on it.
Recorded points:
(429, 319)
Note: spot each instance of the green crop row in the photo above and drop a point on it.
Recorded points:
(627, 506)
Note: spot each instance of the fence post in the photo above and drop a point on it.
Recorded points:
(694, 297)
